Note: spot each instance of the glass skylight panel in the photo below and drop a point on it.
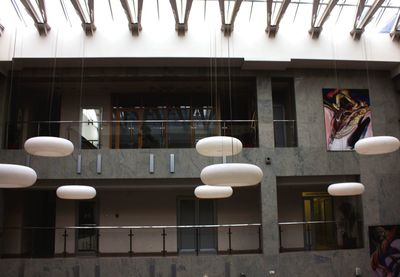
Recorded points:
(321, 9)
(181, 6)
(229, 5)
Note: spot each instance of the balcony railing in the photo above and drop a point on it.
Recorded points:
(132, 134)
(132, 240)
(319, 235)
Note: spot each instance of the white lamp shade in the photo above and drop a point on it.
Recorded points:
(219, 146)
(231, 174)
(346, 189)
(74, 192)
(377, 145)
(211, 192)
(16, 176)
(49, 146)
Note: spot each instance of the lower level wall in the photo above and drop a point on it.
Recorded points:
(300, 264)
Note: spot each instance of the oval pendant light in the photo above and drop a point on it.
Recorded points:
(232, 174)
(16, 176)
(346, 189)
(49, 146)
(219, 146)
(75, 192)
(211, 192)
(377, 145)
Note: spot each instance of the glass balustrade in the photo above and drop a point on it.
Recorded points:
(132, 133)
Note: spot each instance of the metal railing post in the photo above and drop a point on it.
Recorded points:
(32, 243)
(65, 242)
(163, 241)
(197, 241)
(130, 242)
(260, 238)
(229, 240)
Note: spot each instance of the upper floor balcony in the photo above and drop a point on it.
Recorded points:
(130, 133)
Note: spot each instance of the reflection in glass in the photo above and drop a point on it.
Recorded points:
(90, 132)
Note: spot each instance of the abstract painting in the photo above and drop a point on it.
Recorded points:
(347, 117)
(384, 245)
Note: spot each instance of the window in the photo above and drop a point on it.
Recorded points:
(178, 112)
(91, 128)
(285, 128)
(310, 219)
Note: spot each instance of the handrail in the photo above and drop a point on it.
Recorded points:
(139, 227)
(137, 121)
(307, 222)
(284, 120)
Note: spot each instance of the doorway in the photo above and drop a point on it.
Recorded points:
(318, 208)
(87, 240)
(196, 212)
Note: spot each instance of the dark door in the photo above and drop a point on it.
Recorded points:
(196, 212)
(39, 220)
(87, 239)
(321, 235)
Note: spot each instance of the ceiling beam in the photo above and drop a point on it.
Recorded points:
(273, 25)
(40, 18)
(181, 25)
(316, 27)
(227, 27)
(135, 24)
(395, 33)
(360, 23)
(87, 23)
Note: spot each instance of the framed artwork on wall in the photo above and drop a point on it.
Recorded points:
(384, 245)
(347, 117)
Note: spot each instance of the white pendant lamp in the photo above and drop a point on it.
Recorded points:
(346, 189)
(211, 192)
(16, 176)
(219, 146)
(231, 174)
(49, 146)
(74, 192)
(377, 145)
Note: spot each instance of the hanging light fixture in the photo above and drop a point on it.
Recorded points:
(16, 176)
(211, 192)
(226, 174)
(377, 145)
(231, 174)
(219, 146)
(46, 146)
(76, 192)
(49, 146)
(346, 189)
